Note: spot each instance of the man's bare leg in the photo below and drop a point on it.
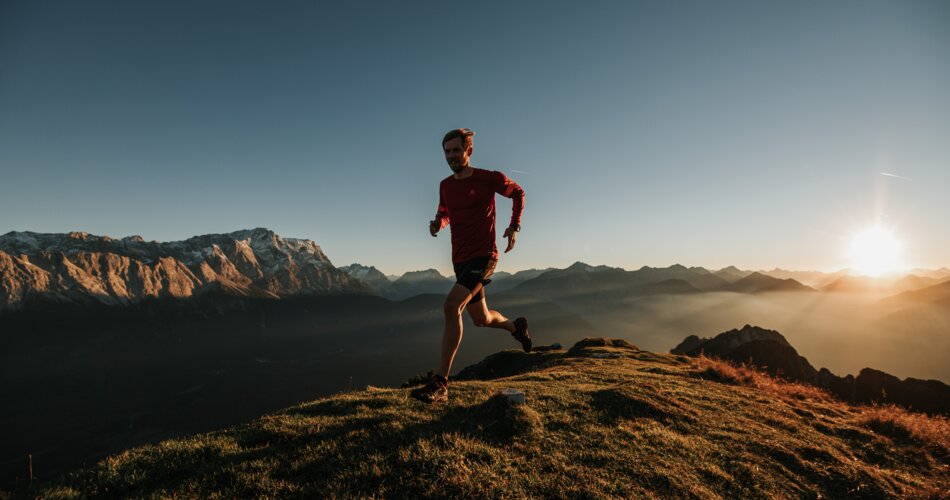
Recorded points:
(457, 299)
(483, 316)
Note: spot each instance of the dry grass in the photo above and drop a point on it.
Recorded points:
(639, 425)
(742, 374)
(929, 431)
(932, 432)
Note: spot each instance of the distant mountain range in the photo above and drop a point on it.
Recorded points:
(430, 281)
(936, 294)
(83, 268)
(845, 281)
(602, 283)
(80, 267)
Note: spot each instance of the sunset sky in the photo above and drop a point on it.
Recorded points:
(759, 134)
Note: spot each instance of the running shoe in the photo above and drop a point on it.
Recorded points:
(521, 333)
(433, 392)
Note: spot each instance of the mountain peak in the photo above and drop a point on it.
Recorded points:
(258, 233)
(79, 235)
(728, 340)
(362, 272)
(357, 265)
(249, 262)
(423, 274)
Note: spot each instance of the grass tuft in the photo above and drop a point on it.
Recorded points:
(893, 421)
(724, 371)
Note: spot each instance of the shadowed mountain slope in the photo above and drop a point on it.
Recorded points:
(758, 282)
(598, 284)
(418, 282)
(936, 294)
(502, 281)
(371, 276)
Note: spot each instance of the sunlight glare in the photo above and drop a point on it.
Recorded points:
(875, 252)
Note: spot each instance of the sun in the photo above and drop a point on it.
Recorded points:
(876, 251)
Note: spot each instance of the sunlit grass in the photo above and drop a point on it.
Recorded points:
(932, 432)
(600, 422)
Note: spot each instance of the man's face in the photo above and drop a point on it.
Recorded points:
(455, 155)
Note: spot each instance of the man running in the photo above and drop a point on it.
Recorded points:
(467, 202)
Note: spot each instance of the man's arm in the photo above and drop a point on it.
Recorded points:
(441, 217)
(510, 189)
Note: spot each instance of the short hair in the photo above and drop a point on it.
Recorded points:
(460, 133)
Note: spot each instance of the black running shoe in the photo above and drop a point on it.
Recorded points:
(521, 333)
(435, 391)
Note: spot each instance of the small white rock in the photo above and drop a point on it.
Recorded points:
(514, 396)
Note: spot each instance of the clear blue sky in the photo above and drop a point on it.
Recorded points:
(705, 133)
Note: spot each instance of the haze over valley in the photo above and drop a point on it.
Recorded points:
(112, 342)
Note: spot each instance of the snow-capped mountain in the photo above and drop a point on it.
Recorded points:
(79, 266)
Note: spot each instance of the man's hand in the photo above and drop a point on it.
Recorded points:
(511, 234)
(434, 227)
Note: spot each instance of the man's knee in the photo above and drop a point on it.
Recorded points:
(452, 307)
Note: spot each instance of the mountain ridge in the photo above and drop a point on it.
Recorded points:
(81, 267)
(85, 268)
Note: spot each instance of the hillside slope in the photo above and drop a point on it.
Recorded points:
(602, 419)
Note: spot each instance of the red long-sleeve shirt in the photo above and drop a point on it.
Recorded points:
(469, 204)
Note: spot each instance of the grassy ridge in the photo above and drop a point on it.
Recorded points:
(600, 421)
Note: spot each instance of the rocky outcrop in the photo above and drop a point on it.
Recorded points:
(507, 364)
(779, 359)
(874, 386)
(513, 362)
(756, 346)
(79, 267)
(593, 342)
(688, 344)
(768, 350)
(725, 342)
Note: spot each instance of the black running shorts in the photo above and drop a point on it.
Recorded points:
(474, 271)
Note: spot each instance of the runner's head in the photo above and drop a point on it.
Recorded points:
(457, 145)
